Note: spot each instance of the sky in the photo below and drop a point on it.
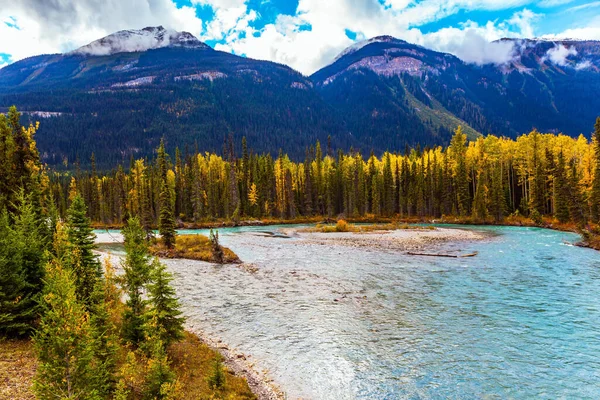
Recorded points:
(304, 34)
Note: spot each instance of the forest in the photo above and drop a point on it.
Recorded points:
(94, 334)
(539, 179)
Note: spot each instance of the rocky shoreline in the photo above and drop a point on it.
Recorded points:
(260, 383)
(240, 364)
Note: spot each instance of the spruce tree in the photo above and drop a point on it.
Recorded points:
(166, 222)
(63, 341)
(87, 269)
(17, 307)
(165, 306)
(458, 151)
(22, 259)
(160, 381)
(137, 269)
(561, 191)
(576, 209)
(595, 193)
(105, 338)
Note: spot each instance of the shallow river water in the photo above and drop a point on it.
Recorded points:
(520, 320)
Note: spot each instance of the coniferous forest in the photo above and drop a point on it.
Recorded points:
(89, 343)
(537, 178)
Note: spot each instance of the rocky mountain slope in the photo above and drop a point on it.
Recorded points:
(119, 95)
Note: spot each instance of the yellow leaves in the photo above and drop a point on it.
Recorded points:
(253, 195)
(72, 189)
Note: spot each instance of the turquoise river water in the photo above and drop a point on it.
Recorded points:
(520, 320)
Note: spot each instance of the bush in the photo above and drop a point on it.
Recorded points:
(216, 380)
(342, 226)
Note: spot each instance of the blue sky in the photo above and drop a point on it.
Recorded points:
(305, 34)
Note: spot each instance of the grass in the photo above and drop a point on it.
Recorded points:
(191, 359)
(192, 247)
(343, 226)
(17, 367)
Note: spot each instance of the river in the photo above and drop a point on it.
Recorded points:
(520, 320)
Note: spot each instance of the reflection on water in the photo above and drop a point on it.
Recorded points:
(520, 320)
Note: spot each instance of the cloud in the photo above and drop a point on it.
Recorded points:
(593, 4)
(307, 39)
(558, 55)
(583, 65)
(62, 25)
(553, 3)
(289, 40)
(471, 45)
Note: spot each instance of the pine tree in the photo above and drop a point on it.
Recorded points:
(104, 339)
(165, 306)
(216, 379)
(561, 191)
(160, 382)
(166, 222)
(87, 269)
(576, 208)
(536, 179)
(137, 269)
(461, 183)
(63, 341)
(22, 258)
(595, 193)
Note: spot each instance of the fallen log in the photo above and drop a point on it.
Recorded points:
(410, 253)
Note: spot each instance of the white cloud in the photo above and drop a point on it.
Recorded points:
(553, 3)
(473, 45)
(589, 32)
(307, 40)
(583, 65)
(558, 55)
(593, 4)
(308, 50)
(63, 25)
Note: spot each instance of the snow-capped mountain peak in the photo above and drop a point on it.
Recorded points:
(136, 40)
(359, 45)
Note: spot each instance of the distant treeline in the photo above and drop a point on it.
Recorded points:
(537, 175)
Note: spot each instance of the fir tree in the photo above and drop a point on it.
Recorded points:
(22, 257)
(105, 338)
(63, 341)
(81, 237)
(216, 379)
(160, 382)
(595, 193)
(137, 269)
(166, 222)
(165, 306)
(461, 183)
(561, 191)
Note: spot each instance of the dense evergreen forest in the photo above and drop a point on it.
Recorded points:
(536, 177)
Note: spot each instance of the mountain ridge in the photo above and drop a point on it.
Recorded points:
(382, 94)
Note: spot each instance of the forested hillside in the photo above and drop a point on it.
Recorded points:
(383, 96)
(537, 178)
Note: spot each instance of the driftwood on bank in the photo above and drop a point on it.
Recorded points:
(410, 253)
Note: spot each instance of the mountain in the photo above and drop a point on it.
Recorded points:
(119, 95)
(548, 85)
